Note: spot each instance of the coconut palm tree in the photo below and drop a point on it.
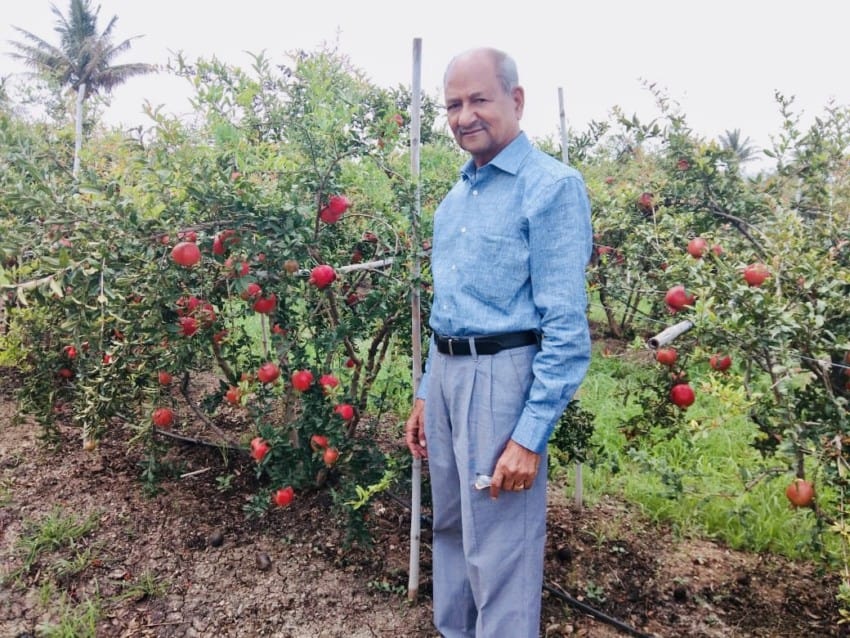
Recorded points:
(81, 61)
(743, 148)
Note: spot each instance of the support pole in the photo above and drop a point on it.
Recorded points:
(578, 497)
(416, 330)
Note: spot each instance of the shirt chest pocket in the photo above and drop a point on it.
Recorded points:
(501, 267)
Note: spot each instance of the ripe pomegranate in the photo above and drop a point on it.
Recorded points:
(188, 305)
(682, 395)
(302, 380)
(223, 240)
(268, 372)
(800, 492)
(337, 205)
(70, 352)
(318, 442)
(188, 326)
(283, 496)
(666, 356)
(66, 373)
(756, 274)
(164, 377)
(322, 276)
(345, 411)
(328, 382)
(697, 247)
(237, 268)
(259, 448)
(677, 298)
(233, 395)
(720, 362)
(186, 254)
(163, 417)
(330, 456)
(252, 291)
(265, 305)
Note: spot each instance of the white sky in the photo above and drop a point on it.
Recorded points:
(720, 60)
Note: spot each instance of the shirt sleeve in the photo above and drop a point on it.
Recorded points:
(560, 243)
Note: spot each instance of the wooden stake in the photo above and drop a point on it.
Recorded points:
(416, 330)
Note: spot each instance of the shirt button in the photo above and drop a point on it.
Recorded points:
(454, 267)
(475, 192)
(463, 230)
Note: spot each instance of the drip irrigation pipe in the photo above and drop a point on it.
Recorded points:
(592, 611)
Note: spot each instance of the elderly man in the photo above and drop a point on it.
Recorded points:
(510, 345)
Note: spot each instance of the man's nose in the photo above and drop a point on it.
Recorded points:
(468, 115)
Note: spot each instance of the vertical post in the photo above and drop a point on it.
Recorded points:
(565, 156)
(416, 329)
(565, 153)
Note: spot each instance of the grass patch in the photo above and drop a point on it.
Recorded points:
(55, 531)
(145, 586)
(702, 477)
(74, 621)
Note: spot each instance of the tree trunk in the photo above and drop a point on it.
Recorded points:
(78, 129)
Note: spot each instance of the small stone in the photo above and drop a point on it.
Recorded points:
(263, 561)
(216, 538)
(680, 594)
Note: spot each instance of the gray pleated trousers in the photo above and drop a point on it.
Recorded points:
(487, 553)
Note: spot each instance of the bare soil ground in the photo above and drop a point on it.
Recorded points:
(187, 561)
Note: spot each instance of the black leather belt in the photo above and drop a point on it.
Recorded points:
(490, 344)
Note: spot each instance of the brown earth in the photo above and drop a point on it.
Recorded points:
(157, 568)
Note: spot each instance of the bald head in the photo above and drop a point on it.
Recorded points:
(503, 65)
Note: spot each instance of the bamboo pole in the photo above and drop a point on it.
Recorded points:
(416, 330)
(578, 497)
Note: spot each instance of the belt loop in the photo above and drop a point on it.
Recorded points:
(451, 352)
(472, 349)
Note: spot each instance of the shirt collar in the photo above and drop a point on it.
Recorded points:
(508, 159)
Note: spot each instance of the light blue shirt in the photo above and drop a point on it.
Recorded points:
(510, 246)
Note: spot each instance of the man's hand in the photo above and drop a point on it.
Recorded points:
(515, 470)
(414, 430)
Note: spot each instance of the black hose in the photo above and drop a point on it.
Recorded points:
(591, 611)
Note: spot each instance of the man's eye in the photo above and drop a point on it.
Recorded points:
(451, 107)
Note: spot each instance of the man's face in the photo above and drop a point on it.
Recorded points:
(483, 118)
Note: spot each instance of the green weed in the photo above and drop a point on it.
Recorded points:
(55, 531)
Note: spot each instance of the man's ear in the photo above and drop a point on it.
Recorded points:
(518, 96)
